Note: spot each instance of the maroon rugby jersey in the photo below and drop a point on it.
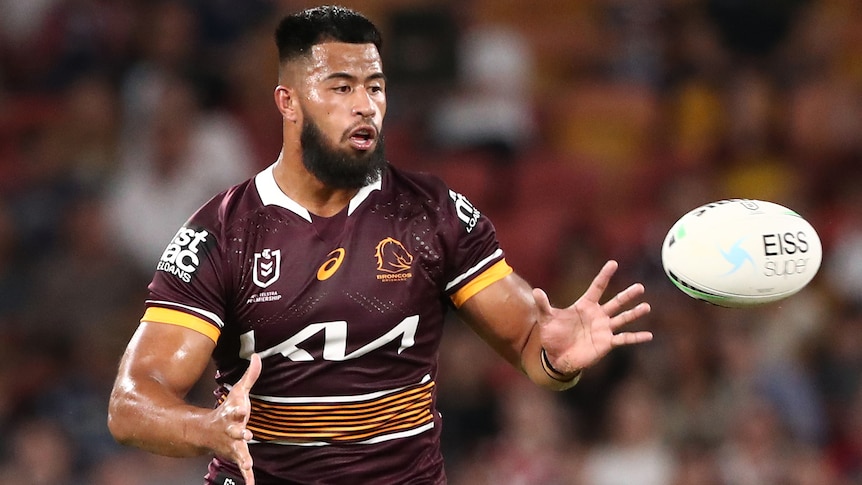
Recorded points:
(346, 313)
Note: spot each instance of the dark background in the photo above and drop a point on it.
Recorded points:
(583, 129)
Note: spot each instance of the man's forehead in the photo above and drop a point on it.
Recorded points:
(341, 56)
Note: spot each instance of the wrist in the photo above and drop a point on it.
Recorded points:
(557, 375)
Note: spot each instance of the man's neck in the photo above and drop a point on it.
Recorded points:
(307, 190)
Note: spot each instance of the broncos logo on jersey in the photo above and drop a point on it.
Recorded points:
(393, 259)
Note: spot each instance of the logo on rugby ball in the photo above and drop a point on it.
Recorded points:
(737, 256)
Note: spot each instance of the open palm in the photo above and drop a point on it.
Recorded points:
(578, 336)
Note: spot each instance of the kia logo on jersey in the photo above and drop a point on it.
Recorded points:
(267, 267)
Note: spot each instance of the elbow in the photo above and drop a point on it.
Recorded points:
(118, 418)
(117, 429)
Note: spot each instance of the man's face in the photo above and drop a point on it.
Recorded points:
(343, 102)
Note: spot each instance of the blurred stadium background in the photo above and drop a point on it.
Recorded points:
(583, 128)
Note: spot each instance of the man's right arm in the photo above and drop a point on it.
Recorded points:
(148, 409)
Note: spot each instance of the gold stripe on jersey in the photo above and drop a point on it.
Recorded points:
(498, 271)
(344, 422)
(182, 319)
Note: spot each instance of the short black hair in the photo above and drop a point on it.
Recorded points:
(298, 32)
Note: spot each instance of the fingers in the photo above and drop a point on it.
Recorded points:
(237, 409)
(245, 469)
(623, 298)
(630, 315)
(238, 432)
(626, 317)
(600, 282)
(242, 456)
(631, 338)
(236, 449)
(613, 308)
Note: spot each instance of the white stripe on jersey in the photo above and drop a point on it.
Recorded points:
(473, 270)
(329, 399)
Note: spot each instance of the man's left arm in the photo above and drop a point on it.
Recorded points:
(553, 345)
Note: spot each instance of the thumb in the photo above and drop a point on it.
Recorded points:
(251, 374)
(542, 301)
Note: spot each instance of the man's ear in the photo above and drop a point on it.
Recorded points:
(285, 101)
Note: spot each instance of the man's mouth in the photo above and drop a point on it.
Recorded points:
(362, 137)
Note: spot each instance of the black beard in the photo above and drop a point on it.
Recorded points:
(336, 168)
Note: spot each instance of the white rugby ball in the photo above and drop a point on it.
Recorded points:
(741, 252)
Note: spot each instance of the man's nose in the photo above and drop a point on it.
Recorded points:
(363, 105)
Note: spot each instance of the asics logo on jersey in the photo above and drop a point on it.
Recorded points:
(267, 267)
(467, 214)
(182, 256)
(331, 265)
(393, 260)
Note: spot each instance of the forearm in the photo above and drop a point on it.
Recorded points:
(506, 316)
(144, 415)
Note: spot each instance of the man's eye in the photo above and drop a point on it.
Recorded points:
(342, 89)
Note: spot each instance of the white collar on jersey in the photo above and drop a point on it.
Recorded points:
(271, 194)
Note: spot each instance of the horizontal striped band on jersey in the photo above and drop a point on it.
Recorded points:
(324, 421)
(496, 272)
(184, 317)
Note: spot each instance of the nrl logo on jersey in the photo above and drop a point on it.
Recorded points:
(267, 267)
(393, 260)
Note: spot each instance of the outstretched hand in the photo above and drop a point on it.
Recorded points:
(577, 337)
(232, 417)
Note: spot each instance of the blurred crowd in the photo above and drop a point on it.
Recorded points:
(584, 129)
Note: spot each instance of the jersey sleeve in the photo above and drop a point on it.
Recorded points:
(479, 260)
(188, 286)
